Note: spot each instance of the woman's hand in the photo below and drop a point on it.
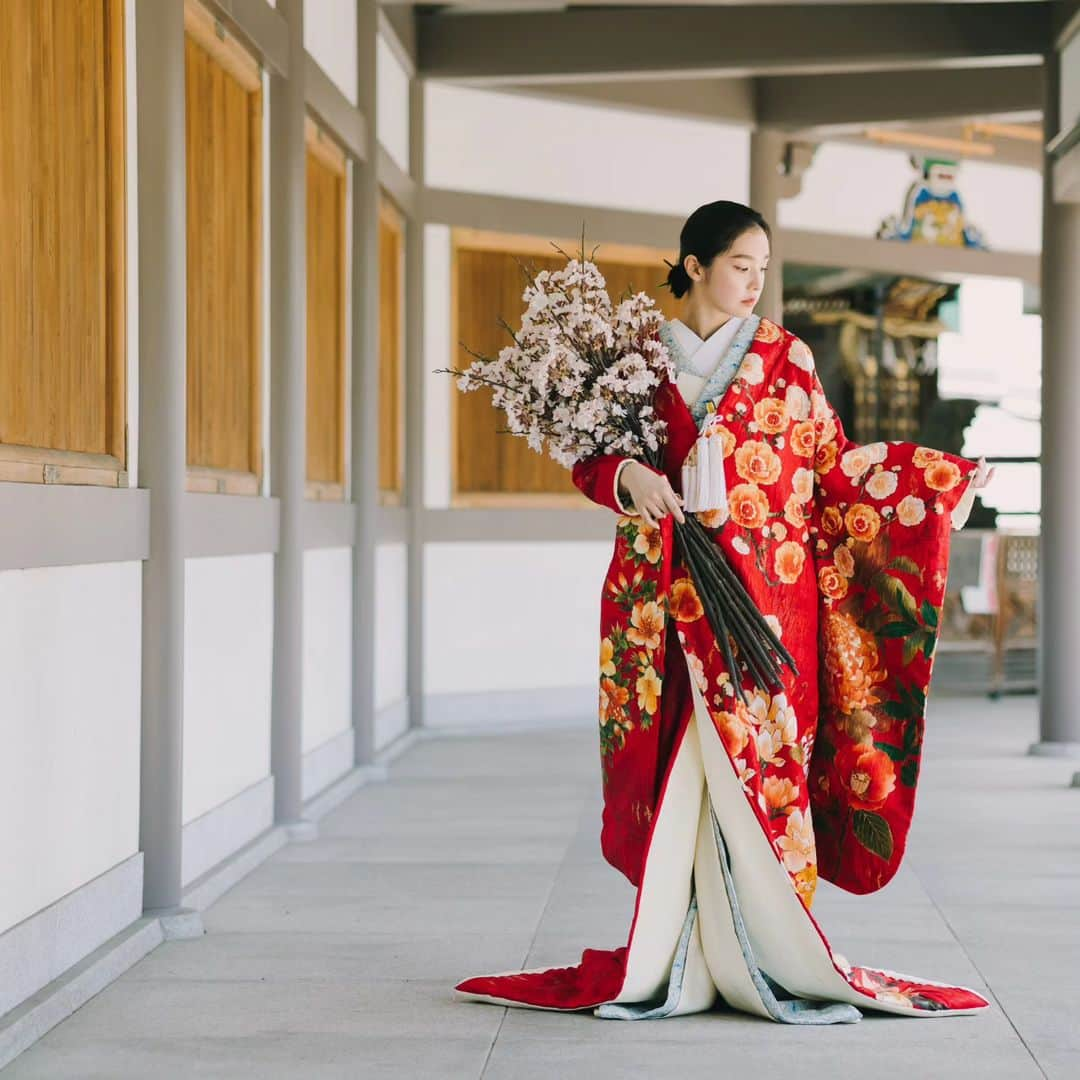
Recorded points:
(651, 493)
(983, 474)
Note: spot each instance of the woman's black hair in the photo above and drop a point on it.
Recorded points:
(710, 231)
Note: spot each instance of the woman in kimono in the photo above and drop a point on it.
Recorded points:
(724, 813)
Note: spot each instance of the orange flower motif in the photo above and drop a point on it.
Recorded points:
(648, 690)
(771, 415)
(825, 458)
(924, 455)
(758, 461)
(845, 561)
(646, 624)
(684, 601)
(788, 561)
(867, 774)
(832, 583)
(612, 699)
(806, 884)
(832, 521)
(712, 519)
(941, 475)
(779, 792)
(802, 483)
(768, 331)
(851, 663)
(793, 512)
(727, 439)
(863, 522)
(734, 729)
(648, 543)
(748, 506)
(803, 438)
(607, 657)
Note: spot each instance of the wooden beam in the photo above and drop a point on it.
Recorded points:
(598, 45)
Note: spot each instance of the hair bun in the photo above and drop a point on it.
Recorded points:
(678, 279)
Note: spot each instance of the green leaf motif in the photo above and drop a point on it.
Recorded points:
(895, 752)
(873, 832)
(898, 628)
(909, 772)
(908, 565)
(929, 613)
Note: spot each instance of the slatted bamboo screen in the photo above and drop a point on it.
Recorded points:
(391, 349)
(62, 283)
(224, 259)
(490, 466)
(326, 308)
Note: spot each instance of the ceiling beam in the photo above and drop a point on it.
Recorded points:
(597, 44)
(881, 97)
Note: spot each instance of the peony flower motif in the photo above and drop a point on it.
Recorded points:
(648, 543)
(646, 624)
(800, 355)
(772, 415)
(788, 561)
(612, 699)
(758, 461)
(803, 438)
(825, 458)
(910, 510)
(845, 561)
(740, 545)
(779, 792)
(684, 601)
(778, 530)
(713, 519)
(941, 475)
(923, 456)
(863, 522)
(727, 439)
(798, 402)
(752, 370)
(802, 484)
(748, 506)
(867, 775)
(768, 331)
(648, 690)
(832, 521)
(832, 583)
(881, 485)
(859, 725)
(851, 663)
(796, 846)
(856, 461)
(806, 884)
(607, 656)
(734, 730)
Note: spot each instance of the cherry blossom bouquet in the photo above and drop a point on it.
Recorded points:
(579, 380)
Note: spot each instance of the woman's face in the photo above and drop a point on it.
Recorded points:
(733, 281)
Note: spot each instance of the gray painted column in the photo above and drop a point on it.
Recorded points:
(162, 298)
(415, 388)
(766, 156)
(364, 405)
(1059, 614)
(288, 443)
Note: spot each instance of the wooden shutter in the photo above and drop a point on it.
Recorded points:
(391, 349)
(62, 275)
(490, 466)
(224, 259)
(326, 308)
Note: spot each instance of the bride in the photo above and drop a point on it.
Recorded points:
(724, 809)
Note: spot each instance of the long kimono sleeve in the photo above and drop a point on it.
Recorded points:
(880, 532)
(598, 478)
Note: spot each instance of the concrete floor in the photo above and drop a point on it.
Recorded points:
(336, 958)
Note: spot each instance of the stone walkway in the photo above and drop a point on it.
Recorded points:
(479, 854)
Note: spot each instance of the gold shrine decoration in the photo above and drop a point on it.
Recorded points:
(63, 350)
(326, 314)
(223, 92)
(488, 466)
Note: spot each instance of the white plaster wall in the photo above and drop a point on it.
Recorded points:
(330, 39)
(327, 644)
(509, 144)
(228, 644)
(512, 616)
(70, 647)
(850, 190)
(438, 388)
(391, 103)
(391, 629)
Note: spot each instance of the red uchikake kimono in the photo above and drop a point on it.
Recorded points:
(724, 815)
